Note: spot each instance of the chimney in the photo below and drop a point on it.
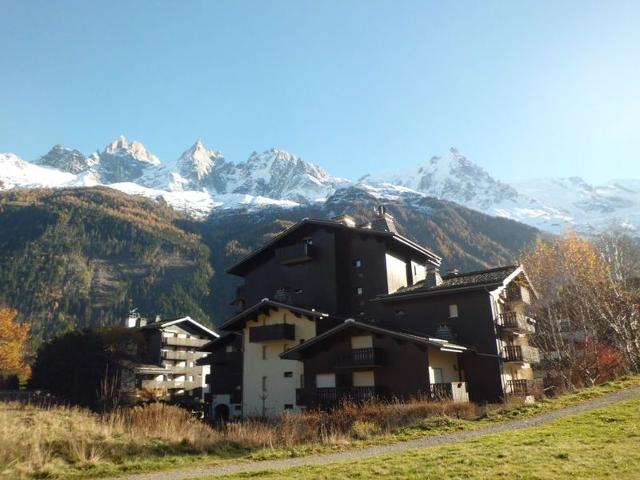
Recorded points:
(433, 278)
(345, 219)
(384, 221)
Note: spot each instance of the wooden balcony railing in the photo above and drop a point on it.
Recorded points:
(330, 397)
(516, 322)
(523, 354)
(360, 357)
(279, 331)
(440, 391)
(522, 388)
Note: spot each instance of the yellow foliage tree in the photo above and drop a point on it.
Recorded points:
(13, 339)
(583, 308)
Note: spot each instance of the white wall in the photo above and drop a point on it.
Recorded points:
(279, 390)
(447, 362)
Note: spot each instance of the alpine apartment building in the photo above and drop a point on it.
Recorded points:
(165, 365)
(331, 310)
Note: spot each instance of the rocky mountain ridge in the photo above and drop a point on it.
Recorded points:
(201, 180)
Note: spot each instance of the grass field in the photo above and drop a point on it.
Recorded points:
(72, 443)
(603, 444)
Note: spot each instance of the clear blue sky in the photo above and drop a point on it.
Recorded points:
(524, 88)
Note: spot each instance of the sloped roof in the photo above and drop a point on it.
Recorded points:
(264, 306)
(174, 321)
(492, 277)
(240, 266)
(294, 353)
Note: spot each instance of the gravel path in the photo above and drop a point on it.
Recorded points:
(356, 454)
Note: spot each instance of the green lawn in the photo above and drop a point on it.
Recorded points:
(601, 444)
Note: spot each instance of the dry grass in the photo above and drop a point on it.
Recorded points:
(47, 441)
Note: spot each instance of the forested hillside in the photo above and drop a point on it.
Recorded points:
(83, 257)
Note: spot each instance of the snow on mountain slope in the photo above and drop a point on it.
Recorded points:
(16, 172)
(451, 177)
(455, 178)
(201, 180)
(66, 159)
(281, 175)
(592, 208)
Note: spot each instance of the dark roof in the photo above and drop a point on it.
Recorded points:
(453, 282)
(294, 353)
(264, 306)
(240, 266)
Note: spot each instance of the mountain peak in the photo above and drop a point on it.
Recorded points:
(135, 149)
(65, 159)
(197, 161)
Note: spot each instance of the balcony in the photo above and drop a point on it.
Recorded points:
(455, 391)
(331, 397)
(185, 342)
(169, 384)
(522, 388)
(296, 253)
(517, 294)
(515, 322)
(360, 357)
(176, 355)
(266, 333)
(520, 354)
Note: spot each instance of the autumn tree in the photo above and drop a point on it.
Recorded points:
(13, 339)
(586, 308)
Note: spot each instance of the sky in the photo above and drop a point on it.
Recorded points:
(523, 88)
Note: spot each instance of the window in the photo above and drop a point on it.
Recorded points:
(264, 384)
(326, 380)
(357, 263)
(288, 374)
(264, 352)
(363, 379)
(361, 341)
(360, 291)
(453, 310)
(308, 240)
(237, 408)
(229, 349)
(288, 406)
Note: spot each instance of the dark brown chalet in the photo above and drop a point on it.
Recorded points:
(409, 331)
(333, 266)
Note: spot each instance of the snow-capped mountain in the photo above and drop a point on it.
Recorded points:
(66, 160)
(201, 180)
(451, 177)
(280, 175)
(455, 178)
